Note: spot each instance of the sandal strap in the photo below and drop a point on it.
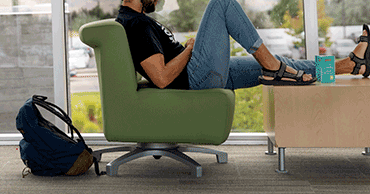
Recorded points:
(363, 39)
(367, 57)
(281, 73)
(300, 75)
(359, 62)
(367, 71)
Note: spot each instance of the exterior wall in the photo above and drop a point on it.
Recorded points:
(26, 64)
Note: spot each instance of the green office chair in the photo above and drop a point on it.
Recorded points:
(156, 119)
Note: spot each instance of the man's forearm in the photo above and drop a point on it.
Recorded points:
(177, 64)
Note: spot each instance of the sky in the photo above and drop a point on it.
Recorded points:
(261, 5)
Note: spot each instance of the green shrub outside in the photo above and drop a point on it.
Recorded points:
(248, 115)
(79, 119)
(91, 127)
(86, 112)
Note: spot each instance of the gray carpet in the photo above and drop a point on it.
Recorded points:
(249, 170)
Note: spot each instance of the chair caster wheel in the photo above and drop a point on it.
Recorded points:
(270, 153)
(157, 157)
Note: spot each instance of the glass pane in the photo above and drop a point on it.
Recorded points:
(83, 78)
(342, 24)
(26, 57)
(280, 25)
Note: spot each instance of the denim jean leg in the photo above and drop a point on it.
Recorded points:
(244, 71)
(209, 64)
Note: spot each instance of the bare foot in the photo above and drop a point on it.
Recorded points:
(360, 52)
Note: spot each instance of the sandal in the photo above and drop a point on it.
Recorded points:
(281, 73)
(366, 60)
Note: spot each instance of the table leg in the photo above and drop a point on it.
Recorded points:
(366, 152)
(281, 161)
(270, 147)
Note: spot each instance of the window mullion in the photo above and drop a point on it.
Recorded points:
(311, 28)
(59, 59)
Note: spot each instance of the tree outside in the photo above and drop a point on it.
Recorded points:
(349, 12)
(277, 14)
(188, 16)
(295, 23)
(84, 16)
(190, 12)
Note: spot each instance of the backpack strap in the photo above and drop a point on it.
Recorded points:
(96, 165)
(40, 100)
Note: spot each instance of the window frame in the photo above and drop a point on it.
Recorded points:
(60, 61)
(311, 29)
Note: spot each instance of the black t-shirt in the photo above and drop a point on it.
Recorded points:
(147, 37)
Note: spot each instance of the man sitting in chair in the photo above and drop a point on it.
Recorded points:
(205, 62)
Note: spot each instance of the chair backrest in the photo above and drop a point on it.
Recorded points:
(117, 77)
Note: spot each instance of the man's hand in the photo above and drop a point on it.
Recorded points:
(190, 43)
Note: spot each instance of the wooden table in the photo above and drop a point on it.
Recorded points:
(318, 115)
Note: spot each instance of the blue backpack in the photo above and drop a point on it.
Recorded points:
(45, 149)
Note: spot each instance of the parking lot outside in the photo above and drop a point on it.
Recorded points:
(85, 80)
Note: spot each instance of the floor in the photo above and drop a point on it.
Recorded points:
(249, 170)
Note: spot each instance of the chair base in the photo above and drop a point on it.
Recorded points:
(157, 150)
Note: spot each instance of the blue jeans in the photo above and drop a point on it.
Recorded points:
(211, 66)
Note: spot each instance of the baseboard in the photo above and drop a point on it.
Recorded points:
(99, 139)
